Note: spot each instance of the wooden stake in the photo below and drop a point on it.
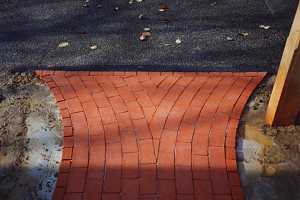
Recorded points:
(284, 105)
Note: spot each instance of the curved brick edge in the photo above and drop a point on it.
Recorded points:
(88, 147)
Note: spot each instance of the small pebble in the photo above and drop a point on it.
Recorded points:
(178, 41)
(63, 44)
(93, 47)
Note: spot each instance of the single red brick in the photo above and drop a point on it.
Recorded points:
(117, 104)
(130, 165)
(173, 120)
(231, 165)
(148, 179)
(167, 189)
(133, 84)
(183, 168)
(65, 113)
(230, 153)
(109, 89)
(200, 167)
(200, 142)
(167, 142)
(112, 133)
(129, 144)
(185, 133)
(67, 91)
(118, 82)
(135, 110)
(92, 190)
(203, 187)
(130, 189)
(126, 94)
(146, 151)
(191, 115)
(92, 85)
(124, 122)
(67, 122)
(68, 131)
(67, 153)
(143, 99)
(112, 181)
(217, 139)
(80, 157)
(166, 164)
(101, 100)
(76, 180)
(96, 157)
(141, 128)
(107, 115)
(68, 141)
(74, 105)
(65, 166)
(149, 112)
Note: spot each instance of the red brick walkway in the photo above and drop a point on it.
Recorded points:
(147, 136)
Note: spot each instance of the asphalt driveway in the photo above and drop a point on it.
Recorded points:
(215, 34)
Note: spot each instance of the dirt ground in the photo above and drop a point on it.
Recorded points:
(30, 138)
(269, 158)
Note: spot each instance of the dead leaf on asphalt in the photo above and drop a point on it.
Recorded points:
(213, 4)
(244, 34)
(163, 7)
(145, 35)
(229, 38)
(93, 47)
(264, 27)
(63, 44)
(116, 8)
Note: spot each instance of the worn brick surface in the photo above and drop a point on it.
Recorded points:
(149, 135)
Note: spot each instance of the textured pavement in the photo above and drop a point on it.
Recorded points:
(139, 135)
(31, 30)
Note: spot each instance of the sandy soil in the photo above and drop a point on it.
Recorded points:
(269, 158)
(30, 138)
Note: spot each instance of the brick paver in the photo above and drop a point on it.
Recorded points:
(142, 135)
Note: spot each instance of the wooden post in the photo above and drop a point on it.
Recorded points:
(284, 104)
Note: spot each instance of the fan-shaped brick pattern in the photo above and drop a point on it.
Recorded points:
(149, 135)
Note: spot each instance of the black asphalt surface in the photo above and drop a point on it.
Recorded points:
(30, 31)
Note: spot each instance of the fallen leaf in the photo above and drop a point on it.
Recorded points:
(147, 29)
(93, 47)
(117, 8)
(63, 44)
(141, 16)
(178, 41)
(145, 35)
(244, 34)
(213, 4)
(264, 27)
(229, 38)
(163, 8)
